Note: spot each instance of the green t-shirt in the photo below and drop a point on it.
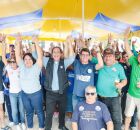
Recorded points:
(94, 60)
(106, 80)
(135, 75)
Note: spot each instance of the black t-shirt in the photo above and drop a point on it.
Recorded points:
(127, 70)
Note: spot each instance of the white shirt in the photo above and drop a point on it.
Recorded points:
(14, 79)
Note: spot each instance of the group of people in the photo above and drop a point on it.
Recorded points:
(100, 80)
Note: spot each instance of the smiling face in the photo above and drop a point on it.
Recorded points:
(28, 61)
(109, 59)
(56, 53)
(84, 57)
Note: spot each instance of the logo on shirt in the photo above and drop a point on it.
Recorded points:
(61, 67)
(114, 69)
(83, 78)
(102, 128)
(98, 108)
(81, 108)
(89, 71)
(125, 67)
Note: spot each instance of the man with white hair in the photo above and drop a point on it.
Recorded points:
(91, 114)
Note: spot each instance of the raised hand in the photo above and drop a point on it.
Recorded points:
(69, 39)
(110, 37)
(18, 38)
(2, 37)
(133, 42)
(127, 32)
(35, 39)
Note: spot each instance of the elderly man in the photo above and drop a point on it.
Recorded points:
(91, 114)
(111, 78)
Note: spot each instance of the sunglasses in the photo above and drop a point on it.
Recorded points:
(90, 94)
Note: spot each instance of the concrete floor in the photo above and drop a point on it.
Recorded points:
(54, 126)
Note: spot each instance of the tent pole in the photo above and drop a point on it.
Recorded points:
(83, 16)
(59, 28)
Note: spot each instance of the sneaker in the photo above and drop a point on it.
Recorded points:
(18, 127)
(6, 128)
(23, 126)
(11, 124)
(133, 128)
(56, 114)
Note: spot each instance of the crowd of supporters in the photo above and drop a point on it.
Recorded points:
(97, 88)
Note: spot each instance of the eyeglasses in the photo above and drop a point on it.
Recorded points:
(84, 55)
(12, 62)
(90, 94)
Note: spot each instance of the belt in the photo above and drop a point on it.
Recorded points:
(106, 97)
(102, 97)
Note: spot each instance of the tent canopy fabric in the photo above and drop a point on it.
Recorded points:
(56, 19)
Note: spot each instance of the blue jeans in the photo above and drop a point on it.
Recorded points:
(69, 107)
(114, 107)
(8, 105)
(33, 102)
(17, 108)
(76, 99)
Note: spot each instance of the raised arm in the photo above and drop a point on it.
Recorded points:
(68, 48)
(99, 58)
(3, 44)
(133, 48)
(110, 40)
(127, 47)
(33, 48)
(18, 48)
(39, 51)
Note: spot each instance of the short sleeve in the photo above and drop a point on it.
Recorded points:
(37, 68)
(106, 113)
